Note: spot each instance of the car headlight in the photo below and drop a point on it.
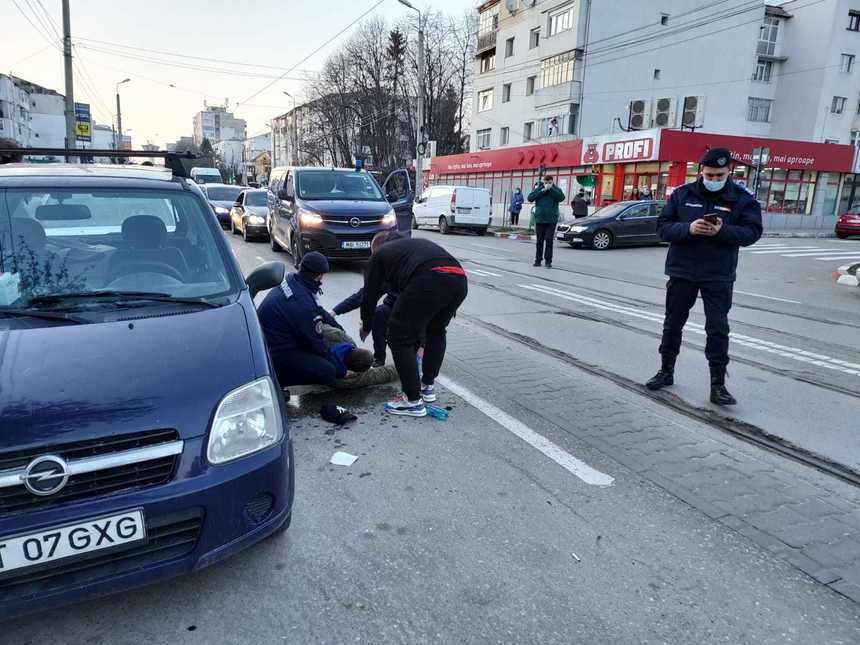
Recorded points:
(577, 229)
(309, 218)
(221, 211)
(389, 219)
(256, 219)
(248, 420)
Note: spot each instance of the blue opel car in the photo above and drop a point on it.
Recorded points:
(142, 431)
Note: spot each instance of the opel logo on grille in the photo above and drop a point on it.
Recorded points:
(46, 475)
(355, 222)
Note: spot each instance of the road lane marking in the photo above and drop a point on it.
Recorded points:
(560, 456)
(793, 353)
(801, 254)
(758, 247)
(483, 273)
(758, 295)
(838, 256)
(793, 250)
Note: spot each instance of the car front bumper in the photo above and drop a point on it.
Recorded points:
(331, 243)
(847, 229)
(191, 523)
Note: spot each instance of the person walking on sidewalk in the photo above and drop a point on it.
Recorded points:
(430, 285)
(516, 206)
(705, 222)
(580, 205)
(546, 198)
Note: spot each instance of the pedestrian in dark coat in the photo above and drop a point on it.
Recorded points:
(580, 205)
(705, 222)
(516, 207)
(546, 197)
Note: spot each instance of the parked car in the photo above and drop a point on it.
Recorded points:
(848, 275)
(203, 175)
(335, 211)
(450, 208)
(221, 197)
(143, 432)
(619, 224)
(848, 223)
(249, 215)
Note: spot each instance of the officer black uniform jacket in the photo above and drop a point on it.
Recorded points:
(702, 258)
(292, 319)
(393, 265)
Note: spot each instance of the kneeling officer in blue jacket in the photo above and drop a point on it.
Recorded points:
(705, 222)
(293, 320)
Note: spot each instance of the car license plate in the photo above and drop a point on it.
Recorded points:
(576, 239)
(464, 209)
(361, 244)
(50, 545)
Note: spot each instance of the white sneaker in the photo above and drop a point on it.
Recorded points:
(428, 393)
(403, 407)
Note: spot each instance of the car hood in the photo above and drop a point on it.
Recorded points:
(223, 204)
(352, 208)
(262, 211)
(72, 382)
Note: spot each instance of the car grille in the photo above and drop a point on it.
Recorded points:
(168, 537)
(82, 486)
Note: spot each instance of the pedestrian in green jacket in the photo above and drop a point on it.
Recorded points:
(546, 198)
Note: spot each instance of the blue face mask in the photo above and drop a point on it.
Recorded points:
(714, 186)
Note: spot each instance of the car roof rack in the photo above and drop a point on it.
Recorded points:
(172, 160)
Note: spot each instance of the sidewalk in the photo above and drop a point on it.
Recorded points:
(523, 233)
(793, 511)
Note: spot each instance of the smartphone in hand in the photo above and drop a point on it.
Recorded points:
(711, 218)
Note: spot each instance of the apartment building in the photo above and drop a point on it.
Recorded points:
(14, 111)
(216, 124)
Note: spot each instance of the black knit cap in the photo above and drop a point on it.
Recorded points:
(716, 158)
(314, 262)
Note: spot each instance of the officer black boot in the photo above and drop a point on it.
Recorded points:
(666, 375)
(719, 394)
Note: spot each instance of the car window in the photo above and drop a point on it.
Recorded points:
(640, 210)
(255, 198)
(223, 193)
(611, 210)
(333, 185)
(397, 186)
(291, 186)
(81, 240)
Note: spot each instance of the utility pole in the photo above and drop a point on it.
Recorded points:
(294, 127)
(419, 129)
(71, 141)
(119, 119)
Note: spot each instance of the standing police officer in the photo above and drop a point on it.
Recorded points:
(705, 223)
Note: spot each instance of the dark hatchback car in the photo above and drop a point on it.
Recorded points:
(221, 198)
(334, 211)
(142, 430)
(620, 224)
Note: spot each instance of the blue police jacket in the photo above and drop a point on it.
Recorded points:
(292, 319)
(701, 258)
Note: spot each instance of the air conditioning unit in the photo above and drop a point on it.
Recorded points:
(664, 113)
(693, 115)
(639, 115)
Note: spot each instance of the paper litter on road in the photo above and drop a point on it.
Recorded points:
(343, 459)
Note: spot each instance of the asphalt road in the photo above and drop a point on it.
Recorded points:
(498, 525)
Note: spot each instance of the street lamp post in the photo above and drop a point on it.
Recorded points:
(419, 130)
(119, 116)
(295, 142)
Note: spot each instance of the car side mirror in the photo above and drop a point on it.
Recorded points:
(266, 276)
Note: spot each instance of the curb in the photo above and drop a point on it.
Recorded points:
(512, 236)
(773, 234)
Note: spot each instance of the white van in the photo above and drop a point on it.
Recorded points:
(207, 176)
(453, 207)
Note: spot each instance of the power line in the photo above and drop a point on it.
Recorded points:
(40, 19)
(47, 38)
(51, 22)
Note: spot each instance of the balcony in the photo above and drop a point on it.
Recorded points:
(486, 41)
(562, 93)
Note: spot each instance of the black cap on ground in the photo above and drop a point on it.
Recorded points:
(336, 414)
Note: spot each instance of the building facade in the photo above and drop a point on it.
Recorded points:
(216, 124)
(14, 111)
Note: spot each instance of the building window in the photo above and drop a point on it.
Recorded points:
(837, 105)
(484, 138)
(759, 110)
(854, 21)
(767, 36)
(509, 47)
(530, 85)
(763, 71)
(664, 18)
(488, 62)
(504, 136)
(527, 131)
(489, 21)
(831, 141)
(534, 38)
(656, 74)
(485, 100)
(847, 63)
(855, 137)
(561, 21)
(506, 93)
(557, 70)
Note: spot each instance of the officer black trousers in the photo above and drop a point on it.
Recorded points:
(379, 330)
(545, 240)
(680, 298)
(423, 310)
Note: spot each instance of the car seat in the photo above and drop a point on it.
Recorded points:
(145, 238)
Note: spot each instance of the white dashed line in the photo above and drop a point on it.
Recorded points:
(758, 295)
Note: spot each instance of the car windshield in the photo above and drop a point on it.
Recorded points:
(223, 193)
(54, 243)
(255, 198)
(611, 210)
(335, 185)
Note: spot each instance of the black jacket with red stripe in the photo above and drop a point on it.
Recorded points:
(394, 265)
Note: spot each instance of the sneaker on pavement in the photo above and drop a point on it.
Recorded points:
(406, 408)
(428, 393)
(378, 363)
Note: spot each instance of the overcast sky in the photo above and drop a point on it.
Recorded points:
(274, 33)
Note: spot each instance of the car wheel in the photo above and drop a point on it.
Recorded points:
(444, 229)
(841, 236)
(274, 243)
(245, 233)
(601, 240)
(414, 223)
(296, 251)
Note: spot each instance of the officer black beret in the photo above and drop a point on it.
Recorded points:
(717, 158)
(314, 262)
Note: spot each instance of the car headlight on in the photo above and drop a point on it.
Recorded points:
(578, 229)
(389, 219)
(219, 210)
(309, 218)
(248, 420)
(256, 219)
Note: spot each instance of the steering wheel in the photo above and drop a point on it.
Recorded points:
(149, 267)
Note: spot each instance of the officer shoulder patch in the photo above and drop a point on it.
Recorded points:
(318, 325)
(286, 289)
